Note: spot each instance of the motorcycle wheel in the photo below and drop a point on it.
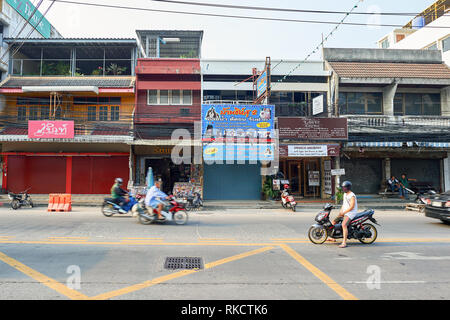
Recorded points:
(374, 233)
(143, 220)
(31, 204)
(317, 235)
(283, 205)
(107, 210)
(293, 207)
(15, 204)
(189, 207)
(180, 217)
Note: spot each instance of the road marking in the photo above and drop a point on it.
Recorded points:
(149, 283)
(140, 243)
(412, 256)
(318, 273)
(41, 278)
(290, 239)
(388, 282)
(129, 239)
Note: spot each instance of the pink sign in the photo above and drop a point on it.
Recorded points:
(51, 129)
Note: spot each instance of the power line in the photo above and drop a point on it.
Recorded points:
(203, 4)
(239, 16)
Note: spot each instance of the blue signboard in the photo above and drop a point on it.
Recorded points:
(261, 84)
(25, 8)
(233, 152)
(237, 121)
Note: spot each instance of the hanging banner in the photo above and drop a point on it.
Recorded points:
(234, 152)
(51, 129)
(25, 8)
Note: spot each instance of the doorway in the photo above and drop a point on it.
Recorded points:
(303, 175)
(164, 169)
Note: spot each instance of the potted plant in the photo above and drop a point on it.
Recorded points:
(115, 69)
(97, 72)
(339, 196)
(268, 191)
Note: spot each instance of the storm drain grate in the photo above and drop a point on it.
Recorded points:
(183, 263)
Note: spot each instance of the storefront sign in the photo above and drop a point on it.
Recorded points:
(232, 152)
(313, 128)
(25, 8)
(314, 178)
(338, 172)
(261, 84)
(327, 179)
(318, 105)
(51, 129)
(220, 122)
(309, 150)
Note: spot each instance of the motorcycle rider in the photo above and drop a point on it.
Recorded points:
(118, 194)
(152, 201)
(349, 210)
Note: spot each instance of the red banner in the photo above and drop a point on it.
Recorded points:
(51, 129)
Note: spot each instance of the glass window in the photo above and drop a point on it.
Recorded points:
(92, 113)
(355, 103)
(431, 104)
(342, 103)
(446, 44)
(413, 104)
(21, 113)
(398, 104)
(45, 112)
(374, 102)
(187, 97)
(433, 47)
(115, 113)
(103, 113)
(34, 111)
(164, 97)
(58, 114)
(176, 97)
(152, 97)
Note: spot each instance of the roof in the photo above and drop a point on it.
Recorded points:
(74, 41)
(391, 70)
(101, 82)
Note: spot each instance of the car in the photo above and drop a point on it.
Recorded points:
(438, 207)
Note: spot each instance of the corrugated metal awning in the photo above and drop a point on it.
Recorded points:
(60, 89)
(385, 144)
(433, 144)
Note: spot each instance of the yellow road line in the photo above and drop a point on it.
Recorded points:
(68, 238)
(290, 239)
(217, 239)
(124, 239)
(318, 273)
(140, 243)
(41, 278)
(179, 274)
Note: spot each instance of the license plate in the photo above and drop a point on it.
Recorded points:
(436, 204)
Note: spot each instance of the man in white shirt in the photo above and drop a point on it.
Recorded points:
(153, 197)
(349, 210)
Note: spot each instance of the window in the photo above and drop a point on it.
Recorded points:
(169, 97)
(45, 112)
(433, 47)
(21, 113)
(92, 113)
(360, 103)
(115, 113)
(103, 113)
(385, 43)
(417, 104)
(446, 44)
(33, 113)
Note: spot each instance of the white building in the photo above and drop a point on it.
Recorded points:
(423, 31)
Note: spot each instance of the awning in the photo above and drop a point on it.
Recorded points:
(60, 89)
(376, 144)
(433, 144)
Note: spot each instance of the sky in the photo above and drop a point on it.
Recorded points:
(226, 38)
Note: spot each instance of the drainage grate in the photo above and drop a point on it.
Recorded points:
(183, 263)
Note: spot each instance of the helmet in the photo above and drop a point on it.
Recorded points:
(286, 186)
(119, 180)
(347, 185)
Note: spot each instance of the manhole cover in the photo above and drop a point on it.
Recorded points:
(183, 263)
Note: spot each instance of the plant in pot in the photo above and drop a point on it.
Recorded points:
(97, 72)
(268, 191)
(115, 69)
(339, 197)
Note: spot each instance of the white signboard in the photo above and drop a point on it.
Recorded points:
(327, 177)
(318, 105)
(314, 178)
(308, 150)
(338, 172)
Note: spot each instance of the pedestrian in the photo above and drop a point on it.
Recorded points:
(404, 185)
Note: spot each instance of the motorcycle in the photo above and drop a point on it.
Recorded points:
(172, 211)
(357, 229)
(110, 207)
(287, 200)
(21, 199)
(193, 200)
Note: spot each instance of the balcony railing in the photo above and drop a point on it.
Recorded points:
(401, 123)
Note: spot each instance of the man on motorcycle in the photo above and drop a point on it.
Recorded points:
(349, 210)
(151, 199)
(117, 193)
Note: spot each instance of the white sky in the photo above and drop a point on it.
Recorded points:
(236, 38)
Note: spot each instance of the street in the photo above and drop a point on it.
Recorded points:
(255, 254)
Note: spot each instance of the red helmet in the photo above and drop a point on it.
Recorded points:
(286, 186)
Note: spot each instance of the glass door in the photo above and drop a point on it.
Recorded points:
(312, 178)
(294, 176)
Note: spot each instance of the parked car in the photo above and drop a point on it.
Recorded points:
(438, 207)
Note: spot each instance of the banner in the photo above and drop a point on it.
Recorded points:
(232, 122)
(51, 129)
(234, 152)
(25, 8)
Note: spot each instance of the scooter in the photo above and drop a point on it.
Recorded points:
(172, 211)
(287, 200)
(193, 200)
(19, 200)
(110, 207)
(357, 229)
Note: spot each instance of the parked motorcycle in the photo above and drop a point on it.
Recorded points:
(357, 229)
(21, 199)
(193, 201)
(287, 200)
(172, 211)
(110, 207)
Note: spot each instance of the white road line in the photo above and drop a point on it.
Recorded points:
(388, 282)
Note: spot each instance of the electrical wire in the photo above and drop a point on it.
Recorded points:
(239, 16)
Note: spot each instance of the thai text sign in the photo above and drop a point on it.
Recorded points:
(25, 8)
(313, 128)
(239, 151)
(309, 150)
(237, 121)
(261, 84)
(51, 129)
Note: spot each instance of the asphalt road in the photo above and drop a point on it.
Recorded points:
(256, 254)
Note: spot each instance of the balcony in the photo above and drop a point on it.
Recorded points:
(403, 124)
